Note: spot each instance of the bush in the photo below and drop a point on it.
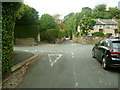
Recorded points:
(61, 34)
(26, 31)
(50, 35)
(98, 34)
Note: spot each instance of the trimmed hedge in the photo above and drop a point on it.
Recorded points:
(26, 31)
(98, 34)
(51, 35)
(8, 22)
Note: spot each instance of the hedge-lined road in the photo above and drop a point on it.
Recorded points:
(68, 65)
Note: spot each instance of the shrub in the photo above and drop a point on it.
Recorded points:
(98, 34)
(61, 34)
(50, 35)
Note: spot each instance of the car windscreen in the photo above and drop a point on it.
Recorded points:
(116, 44)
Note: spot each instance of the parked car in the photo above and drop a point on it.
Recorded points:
(115, 37)
(107, 51)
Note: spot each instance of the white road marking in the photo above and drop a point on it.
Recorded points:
(53, 62)
(26, 50)
(74, 75)
(72, 54)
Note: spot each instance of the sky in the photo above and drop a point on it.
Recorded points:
(64, 7)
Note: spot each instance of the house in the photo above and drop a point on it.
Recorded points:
(107, 26)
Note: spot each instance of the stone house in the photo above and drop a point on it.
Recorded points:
(107, 26)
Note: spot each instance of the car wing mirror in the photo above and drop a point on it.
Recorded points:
(95, 44)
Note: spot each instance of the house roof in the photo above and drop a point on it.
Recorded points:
(106, 21)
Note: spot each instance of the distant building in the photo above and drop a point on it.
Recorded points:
(107, 26)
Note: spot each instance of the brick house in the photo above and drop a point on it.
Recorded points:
(106, 26)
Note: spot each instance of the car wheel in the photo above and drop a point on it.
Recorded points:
(105, 64)
(93, 53)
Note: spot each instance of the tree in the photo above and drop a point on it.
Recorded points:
(30, 16)
(100, 8)
(70, 25)
(119, 26)
(47, 22)
(86, 24)
(58, 21)
(114, 12)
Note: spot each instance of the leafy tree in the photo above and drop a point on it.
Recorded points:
(114, 12)
(100, 8)
(30, 16)
(47, 22)
(86, 24)
(69, 22)
(58, 21)
(119, 25)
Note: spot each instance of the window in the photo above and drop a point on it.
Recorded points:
(107, 26)
(104, 43)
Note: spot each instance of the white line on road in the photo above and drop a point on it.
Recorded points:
(53, 62)
(74, 75)
(72, 54)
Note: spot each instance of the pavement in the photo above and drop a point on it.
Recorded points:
(69, 65)
(20, 56)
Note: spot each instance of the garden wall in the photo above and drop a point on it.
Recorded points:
(87, 39)
(25, 42)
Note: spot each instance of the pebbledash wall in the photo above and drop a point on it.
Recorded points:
(87, 40)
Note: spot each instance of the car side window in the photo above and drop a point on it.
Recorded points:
(103, 43)
(106, 43)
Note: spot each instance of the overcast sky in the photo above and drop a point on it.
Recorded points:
(64, 7)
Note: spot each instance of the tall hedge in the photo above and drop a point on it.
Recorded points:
(8, 22)
(51, 35)
(26, 31)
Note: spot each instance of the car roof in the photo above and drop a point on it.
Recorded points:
(112, 39)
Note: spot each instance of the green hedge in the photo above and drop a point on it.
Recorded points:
(98, 34)
(50, 35)
(26, 31)
(8, 22)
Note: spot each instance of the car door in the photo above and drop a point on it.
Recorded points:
(103, 46)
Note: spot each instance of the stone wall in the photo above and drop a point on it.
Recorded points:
(25, 42)
(87, 40)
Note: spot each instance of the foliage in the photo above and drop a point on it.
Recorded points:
(29, 17)
(47, 22)
(119, 25)
(114, 12)
(61, 34)
(98, 34)
(100, 8)
(50, 35)
(8, 21)
(70, 24)
(26, 31)
(86, 24)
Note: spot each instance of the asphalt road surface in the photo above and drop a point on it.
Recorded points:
(68, 65)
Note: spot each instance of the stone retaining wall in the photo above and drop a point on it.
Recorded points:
(25, 42)
(87, 40)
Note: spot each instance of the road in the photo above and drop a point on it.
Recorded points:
(68, 65)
